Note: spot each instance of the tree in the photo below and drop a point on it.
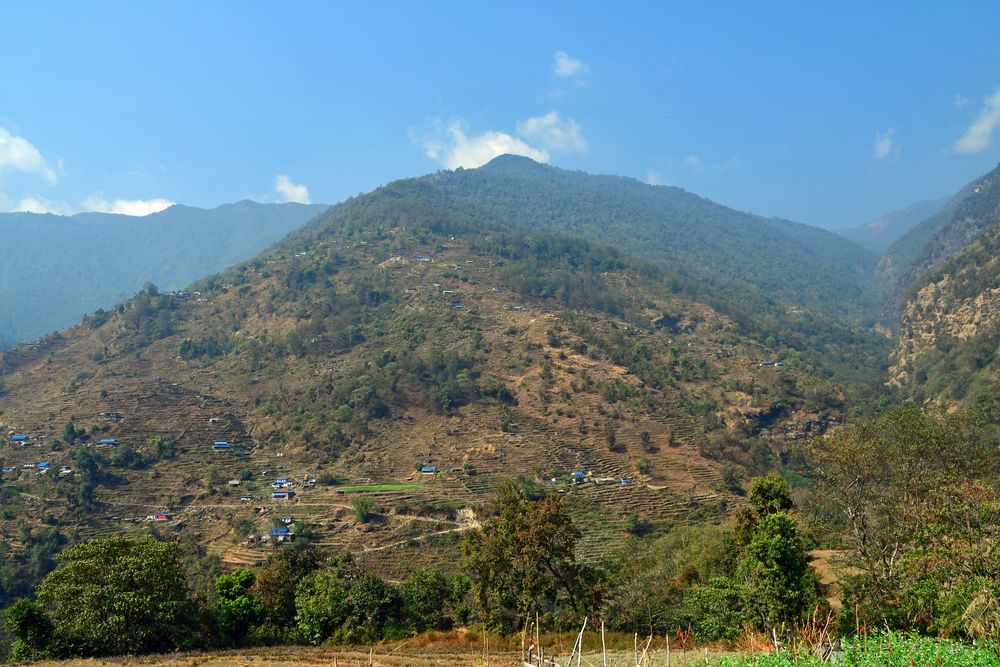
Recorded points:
(873, 473)
(276, 584)
(31, 628)
(425, 596)
(610, 437)
(321, 599)
(362, 508)
(237, 608)
(119, 595)
(779, 587)
(768, 495)
(523, 560)
(373, 602)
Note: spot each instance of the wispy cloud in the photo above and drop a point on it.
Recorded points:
(654, 178)
(694, 162)
(885, 144)
(42, 205)
(554, 132)
(290, 191)
(960, 100)
(564, 65)
(134, 207)
(458, 149)
(978, 135)
(19, 154)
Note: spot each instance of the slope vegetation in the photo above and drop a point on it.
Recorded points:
(950, 331)
(396, 334)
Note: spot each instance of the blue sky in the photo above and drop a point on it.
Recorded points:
(830, 117)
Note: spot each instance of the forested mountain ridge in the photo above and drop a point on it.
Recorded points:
(779, 261)
(55, 269)
(391, 335)
(959, 223)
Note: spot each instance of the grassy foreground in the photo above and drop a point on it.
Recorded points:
(878, 650)
(883, 650)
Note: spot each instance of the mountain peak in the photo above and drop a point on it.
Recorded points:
(510, 162)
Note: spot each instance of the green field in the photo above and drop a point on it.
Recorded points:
(402, 486)
(884, 650)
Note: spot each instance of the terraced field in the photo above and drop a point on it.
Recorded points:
(554, 425)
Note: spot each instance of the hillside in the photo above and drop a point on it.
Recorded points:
(882, 232)
(771, 261)
(950, 331)
(959, 223)
(396, 334)
(55, 269)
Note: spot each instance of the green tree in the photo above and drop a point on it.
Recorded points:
(237, 608)
(322, 604)
(119, 595)
(778, 585)
(425, 595)
(872, 474)
(768, 495)
(362, 508)
(31, 628)
(276, 584)
(373, 603)
(523, 560)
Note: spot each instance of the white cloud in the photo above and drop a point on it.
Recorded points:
(41, 205)
(566, 65)
(884, 144)
(19, 154)
(960, 100)
(654, 177)
(693, 161)
(978, 135)
(554, 132)
(291, 192)
(134, 207)
(458, 149)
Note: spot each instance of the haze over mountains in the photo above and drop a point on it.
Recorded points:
(55, 269)
(879, 234)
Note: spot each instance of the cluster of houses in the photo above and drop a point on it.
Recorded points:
(278, 535)
(580, 477)
(281, 489)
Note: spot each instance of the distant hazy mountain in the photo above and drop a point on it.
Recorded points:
(879, 234)
(929, 244)
(55, 269)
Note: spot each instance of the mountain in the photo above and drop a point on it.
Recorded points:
(801, 286)
(959, 223)
(879, 234)
(787, 262)
(416, 346)
(55, 269)
(950, 326)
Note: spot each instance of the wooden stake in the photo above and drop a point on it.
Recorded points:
(604, 650)
(668, 650)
